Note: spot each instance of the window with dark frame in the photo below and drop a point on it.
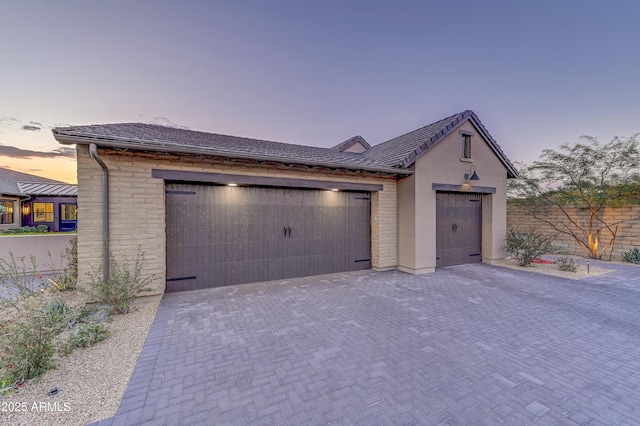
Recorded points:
(42, 212)
(7, 217)
(466, 146)
(68, 212)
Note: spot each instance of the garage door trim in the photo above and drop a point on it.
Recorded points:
(446, 187)
(223, 178)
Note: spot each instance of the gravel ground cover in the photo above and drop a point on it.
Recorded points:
(552, 269)
(90, 381)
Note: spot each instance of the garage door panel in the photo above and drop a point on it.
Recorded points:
(223, 236)
(458, 228)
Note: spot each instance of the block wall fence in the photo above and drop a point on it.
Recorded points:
(628, 234)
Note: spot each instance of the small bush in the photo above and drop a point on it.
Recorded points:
(20, 230)
(26, 345)
(125, 283)
(68, 278)
(60, 315)
(19, 278)
(86, 335)
(566, 263)
(631, 256)
(527, 246)
(40, 229)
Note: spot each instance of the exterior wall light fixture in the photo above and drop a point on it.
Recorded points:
(472, 175)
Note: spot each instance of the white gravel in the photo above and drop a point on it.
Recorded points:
(91, 381)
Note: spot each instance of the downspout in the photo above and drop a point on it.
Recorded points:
(93, 150)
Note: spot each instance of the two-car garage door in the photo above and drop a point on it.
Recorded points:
(221, 235)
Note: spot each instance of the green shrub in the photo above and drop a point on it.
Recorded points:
(86, 335)
(40, 229)
(60, 315)
(631, 256)
(527, 246)
(68, 278)
(124, 284)
(566, 263)
(26, 345)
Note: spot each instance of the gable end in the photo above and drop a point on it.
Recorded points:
(452, 126)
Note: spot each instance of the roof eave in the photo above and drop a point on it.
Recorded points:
(12, 194)
(66, 139)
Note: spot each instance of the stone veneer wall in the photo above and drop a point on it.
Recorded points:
(137, 205)
(628, 233)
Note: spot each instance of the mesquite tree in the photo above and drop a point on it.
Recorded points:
(580, 181)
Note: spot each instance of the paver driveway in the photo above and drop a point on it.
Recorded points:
(472, 344)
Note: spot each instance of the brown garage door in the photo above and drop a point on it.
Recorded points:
(221, 235)
(459, 228)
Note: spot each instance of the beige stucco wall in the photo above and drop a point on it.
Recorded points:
(137, 206)
(47, 250)
(417, 209)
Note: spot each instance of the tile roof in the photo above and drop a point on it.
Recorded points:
(153, 137)
(9, 180)
(394, 156)
(343, 146)
(404, 150)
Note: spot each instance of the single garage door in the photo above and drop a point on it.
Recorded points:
(221, 235)
(459, 228)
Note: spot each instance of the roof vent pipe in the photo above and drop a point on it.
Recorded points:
(93, 150)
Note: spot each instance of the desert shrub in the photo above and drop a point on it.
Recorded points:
(124, 284)
(26, 332)
(631, 256)
(68, 278)
(566, 263)
(19, 278)
(26, 344)
(84, 336)
(527, 246)
(60, 315)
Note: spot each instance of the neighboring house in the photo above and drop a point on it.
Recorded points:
(210, 210)
(33, 200)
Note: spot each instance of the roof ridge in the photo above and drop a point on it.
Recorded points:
(421, 128)
(346, 144)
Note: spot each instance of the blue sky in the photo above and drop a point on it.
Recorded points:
(538, 74)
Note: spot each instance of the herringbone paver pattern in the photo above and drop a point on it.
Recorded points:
(472, 344)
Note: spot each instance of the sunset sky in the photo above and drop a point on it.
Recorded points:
(537, 73)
